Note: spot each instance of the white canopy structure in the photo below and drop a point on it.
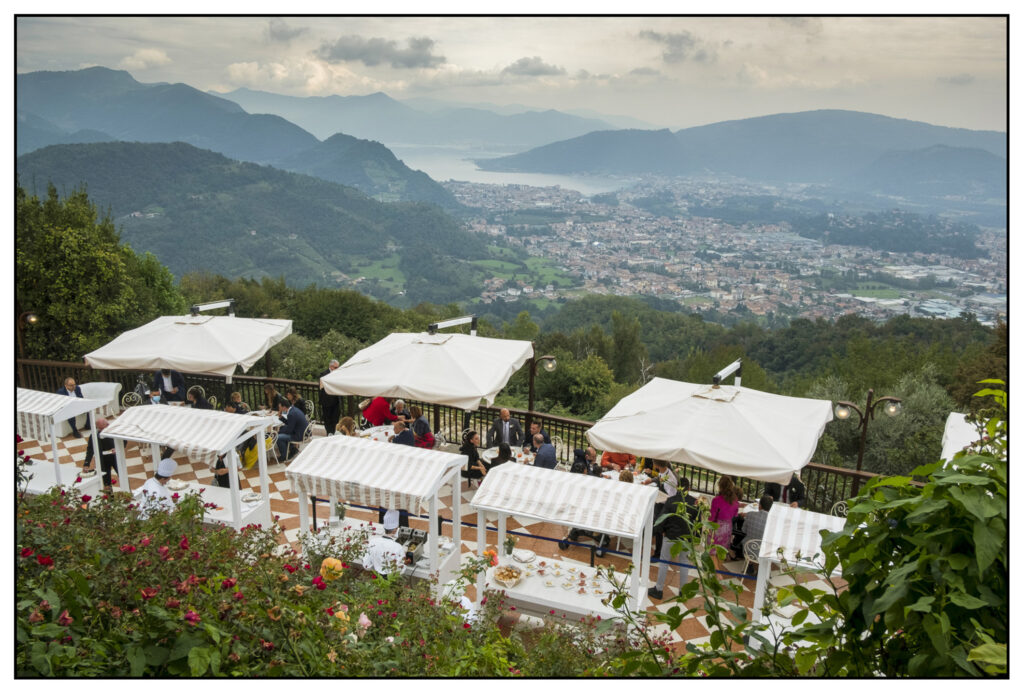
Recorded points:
(958, 434)
(39, 416)
(195, 344)
(729, 429)
(381, 474)
(576, 501)
(202, 435)
(447, 369)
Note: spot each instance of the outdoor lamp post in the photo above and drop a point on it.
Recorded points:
(890, 406)
(24, 319)
(549, 365)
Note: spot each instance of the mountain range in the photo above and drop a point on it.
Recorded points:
(198, 210)
(100, 105)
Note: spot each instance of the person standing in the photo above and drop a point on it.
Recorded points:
(330, 405)
(72, 389)
(682, 510)
(383, 554)
(107, 456)
(723, 509)
(505, 429)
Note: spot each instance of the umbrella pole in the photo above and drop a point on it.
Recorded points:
(227, 391)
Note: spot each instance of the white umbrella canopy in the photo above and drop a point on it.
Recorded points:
(730, 429)
(957, 435)
(447, 369)
(195, 344)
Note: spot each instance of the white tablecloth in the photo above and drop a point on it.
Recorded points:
(520, 456)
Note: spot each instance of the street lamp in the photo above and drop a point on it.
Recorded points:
(890, 406)
(549, 364)
(24, 319)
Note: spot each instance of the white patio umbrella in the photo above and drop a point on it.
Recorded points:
(729, 429)
(957, 435)
(447, 369)
(195, 344)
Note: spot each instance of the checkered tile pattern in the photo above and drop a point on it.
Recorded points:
(284, 506)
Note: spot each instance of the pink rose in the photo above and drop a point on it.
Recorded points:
(65, 619)
(192, 618)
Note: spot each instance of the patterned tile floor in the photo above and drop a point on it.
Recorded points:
(283, 505)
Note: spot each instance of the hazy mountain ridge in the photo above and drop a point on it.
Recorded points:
(99, 104)
(198, 210)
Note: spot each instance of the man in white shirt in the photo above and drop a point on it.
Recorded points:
(383, 555)
(154, 495)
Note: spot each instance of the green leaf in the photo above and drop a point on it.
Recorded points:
(923, 604)
(136, 660)
(986, 545)
(198, 661)
(966, 601)
(799, 617)
(993, 653)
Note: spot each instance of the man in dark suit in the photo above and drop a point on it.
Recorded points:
(72, 389)
(330, 405)
(794, 493)
(294, 428)
(107, 456)
(505, 430)
(171, 385)
(403, 434)
(545, 456)
(535, 429)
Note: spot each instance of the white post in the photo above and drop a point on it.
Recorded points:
(303, 501)
(233, 490)
(154, 450)
(764, 568)
(433, 538)
(122, 466)
(501, 534)
(53, 451)
(96, 465)
(456, 511)
(261, 457)
(641, 546)
(481, 545)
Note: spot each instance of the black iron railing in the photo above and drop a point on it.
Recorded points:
(825, 485)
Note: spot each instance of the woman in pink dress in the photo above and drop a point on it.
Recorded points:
(723, 508)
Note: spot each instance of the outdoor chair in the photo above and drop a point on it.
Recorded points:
(272, 445)
(839, 509)
(751, 548)
(212, 400)
(307, 436)
(198, 389)
(561, 450)
(310, 407)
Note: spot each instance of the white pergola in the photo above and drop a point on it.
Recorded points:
(575, 501)
(382, 474)
(203, 435)
(39, 416)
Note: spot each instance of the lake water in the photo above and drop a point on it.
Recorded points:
(445, 162)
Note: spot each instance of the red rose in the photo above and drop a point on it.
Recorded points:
(172, 603)
(148, 593)
(44, 561)
(239, 596)
(65, 619)
(184, 542)
(27, 551)
(127, 549)
(145, 541)
(192, 618)
(86, 498)
(319, 583)
(267, 645)
(290, 569)
(228, 583)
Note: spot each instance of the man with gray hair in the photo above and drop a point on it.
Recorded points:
(330, 405)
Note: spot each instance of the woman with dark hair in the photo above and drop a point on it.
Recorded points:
(504, 456)
(292, 395)
(273, 398)
(475, 469)
(197, 400)
(723, 509)
(421, 428)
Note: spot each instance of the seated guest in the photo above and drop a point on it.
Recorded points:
(72, 389)
(682, 512)
(504, 456)
(154, 396)
(236, 401)
(154, 495)
(171, 385)
(545, 456)
(585, 461)
(294, 428)
(793, 493)
(292, 396)
(475, 468)
(399, 410)
(665, 477)
(197, 400)
(753, 525)
(618, 461)
(107, 457)
(378, 413)
(625, 476)
(273, 398)
(421, 428)
(535, 429)
(403, 434)
(505, 429)
(347, 426)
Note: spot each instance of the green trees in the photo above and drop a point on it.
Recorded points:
(72, 271)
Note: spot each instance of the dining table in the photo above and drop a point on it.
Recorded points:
(381, 434)
(641, 478)
(519, 455)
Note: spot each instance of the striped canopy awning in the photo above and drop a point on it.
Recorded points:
(200, 434)
(795, 533)
(578, 501)
(369, 472)
(38, 410)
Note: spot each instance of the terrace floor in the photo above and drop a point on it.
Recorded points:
(285, 507)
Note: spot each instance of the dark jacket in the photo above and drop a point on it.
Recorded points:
(405, 437)
(177, 381)
(528, 442)
(328, 402)
(295, 424)
(675, 526)
(795, 491)
(546, 457)
(495, 434)
(64, 391)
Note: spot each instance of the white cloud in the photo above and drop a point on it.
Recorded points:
(144, 58)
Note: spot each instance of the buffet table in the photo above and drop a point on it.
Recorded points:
(44, 478)
(252, 511)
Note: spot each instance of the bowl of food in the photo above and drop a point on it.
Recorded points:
(177, 485)
(507, 576)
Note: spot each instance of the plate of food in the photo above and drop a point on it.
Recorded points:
(523, 556)
(507, 576)
(549, 584)
(251, 497)
(177, 485)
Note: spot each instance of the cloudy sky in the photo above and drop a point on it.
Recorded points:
(670, 72)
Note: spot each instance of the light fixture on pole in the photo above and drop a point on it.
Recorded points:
(24, 319)
(890, 406)
(549, 363)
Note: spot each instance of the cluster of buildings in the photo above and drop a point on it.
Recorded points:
(756, 268)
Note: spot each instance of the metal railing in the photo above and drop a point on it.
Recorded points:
(825, 484)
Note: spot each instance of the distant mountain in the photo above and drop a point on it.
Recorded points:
(624, 152)
(102, 105)
(198, 210)
(934, 171)
(369, 166)
(379, 117)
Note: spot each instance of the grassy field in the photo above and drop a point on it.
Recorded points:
(385, 270)
(877, 293)
(539, 271)
(694, 300)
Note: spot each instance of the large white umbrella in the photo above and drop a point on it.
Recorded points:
(729, 429)
(957, 435)
(447, 369)
(195, 344)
